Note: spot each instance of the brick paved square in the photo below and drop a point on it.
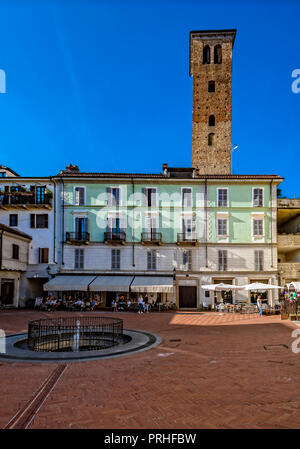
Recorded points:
(210, 371)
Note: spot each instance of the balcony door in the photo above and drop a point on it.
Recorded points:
(81, 227)
(188, 228)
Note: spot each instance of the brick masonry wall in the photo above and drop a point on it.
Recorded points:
(215, 159)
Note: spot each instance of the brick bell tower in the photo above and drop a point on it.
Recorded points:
(211, 69)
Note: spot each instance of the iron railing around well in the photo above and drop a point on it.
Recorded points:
(74, 333)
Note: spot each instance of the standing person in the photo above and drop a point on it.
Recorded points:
(146, 300)
(140, 304)
(113, 305)
(128, 304)
(259, 304)
(116, 305)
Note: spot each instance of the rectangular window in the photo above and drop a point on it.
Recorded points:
(2, 174)
(115, 259)
(151, 197)
(187, 260)
(81, 227)
(13, 219)
(222, 197)
(186, 194)
(15, 251)
(259, 260)
(222, 260)
(79, 196)
(222, 226)
(258, 227)
(258, 197)
(151, 259)
(39, 220)
(43, 255)
(113, 196)
(79, 258)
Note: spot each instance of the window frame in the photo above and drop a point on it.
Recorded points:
(256, 219)
(224, 220)
(10, 220)
(84, 195)
(260, 261)
(222, 261)
(15, 251)
(263, 196)
(218, 199)
(79, 259)
(115, 259)
(152, 263)
(182, 197)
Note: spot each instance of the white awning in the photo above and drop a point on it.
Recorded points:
(152, 284)
(111, 284)
(68, 283)
(296, 286)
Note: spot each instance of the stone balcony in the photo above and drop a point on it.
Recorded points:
(288, 241)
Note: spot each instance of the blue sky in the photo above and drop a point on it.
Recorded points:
(105, 84)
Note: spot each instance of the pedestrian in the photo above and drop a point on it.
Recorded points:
(140, 304)
(147, 305)
(259, 305)
(116, 305)
(128, 304)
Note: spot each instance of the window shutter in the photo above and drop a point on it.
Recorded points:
(32, 220)
(144, 197)
(86, 224)
(81, 196)
(46, 221)
(149, 260)
(46, 255)
(189, 260)
(109, 196)
(153, 198)
(40, 254)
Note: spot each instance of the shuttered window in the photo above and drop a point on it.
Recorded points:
(39, 220)
(259, 260)
(115, 259)
(79, 196)
(79, 258)
(222, 260)
(186, 197)
(151, 259)
(187, 260)
(43, 255)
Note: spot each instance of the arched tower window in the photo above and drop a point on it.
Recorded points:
(218, 54)
(211, 120)
(211, 86)
(206, 55)
(211, 139)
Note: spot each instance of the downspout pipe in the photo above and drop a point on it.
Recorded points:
(133, 248)
(271, 220)
(63, 222)
(54, 223)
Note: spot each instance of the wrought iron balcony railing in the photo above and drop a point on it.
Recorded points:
(78, 237)
(187, 237)
(26, 199)
(151, 236)
(114, 236)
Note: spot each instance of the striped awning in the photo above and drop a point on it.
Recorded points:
(152, 284)
(111, 284)
(68, 283)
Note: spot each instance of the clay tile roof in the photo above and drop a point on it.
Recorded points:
(3, 227)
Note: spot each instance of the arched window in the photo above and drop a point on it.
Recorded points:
(211, 86)
(218, 54)
(206, 55)
(211, 138)
(211, 120)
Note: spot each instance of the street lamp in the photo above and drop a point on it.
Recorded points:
(234, 146)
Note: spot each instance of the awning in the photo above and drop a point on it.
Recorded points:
(152, 284)
(296, 286)
(111, 284)
(68, 283)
